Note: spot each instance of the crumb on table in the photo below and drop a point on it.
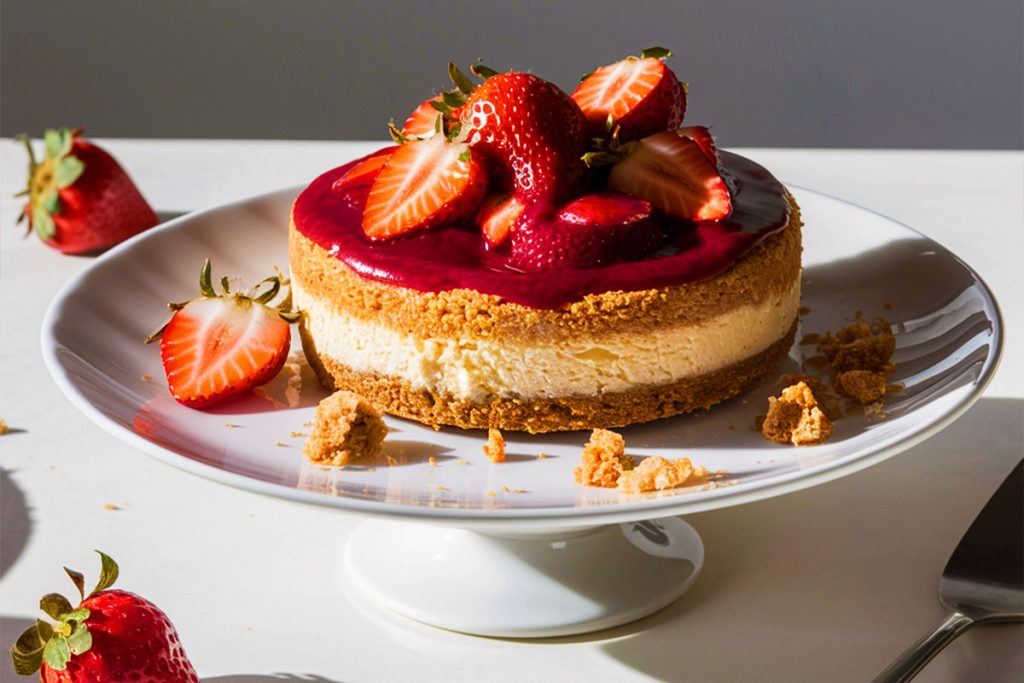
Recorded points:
(604, 460)
(347, 427)
(658, 474)
(795, 418)
(495, 446)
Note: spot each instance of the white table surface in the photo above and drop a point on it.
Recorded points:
(827, 584)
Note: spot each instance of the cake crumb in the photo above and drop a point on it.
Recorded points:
(3, 426)
(391, 461)
(542, 456)
(347, 427)
(860, 346)
(110, 506)
(230, 425)
(658, 474)
(145, 377)
(432, 461)
(506, 489)
(297, 434)
(492, 494)
(795, 418)
(281, 443)
(604, 460)
(495, 446)
(460, 462)
(866, 386)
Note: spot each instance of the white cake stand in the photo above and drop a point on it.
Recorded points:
(517, 549)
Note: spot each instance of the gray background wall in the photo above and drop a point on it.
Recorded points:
(869, 73)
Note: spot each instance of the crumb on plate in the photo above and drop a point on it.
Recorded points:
(604, 460)
(796, 418)
(495, 446)
(347, 427)
(658, 474)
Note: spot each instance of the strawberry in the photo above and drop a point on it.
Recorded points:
(113, 636)
(80, 199)
(672, 172)
(423, 119)
(641, 95)
(590, 231)
(497, 215)
(425, 183)
(534, 131)
(364, 171)
(702, 136)
(222, 345)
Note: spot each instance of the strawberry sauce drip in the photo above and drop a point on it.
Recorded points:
(456, 256)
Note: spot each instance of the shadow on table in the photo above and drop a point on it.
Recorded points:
(264, 678)
(786, 578)
(17, 523)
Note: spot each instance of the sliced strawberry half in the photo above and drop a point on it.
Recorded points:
(497, 215)
(640, 95)
(702, 136)
(221, 345)
(590, 231)
(363, 172)
(422, 122)
(424, 183)
(673, 173)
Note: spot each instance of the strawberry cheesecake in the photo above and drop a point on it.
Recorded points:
(528, 259)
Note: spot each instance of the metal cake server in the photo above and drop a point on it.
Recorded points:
(983, 581)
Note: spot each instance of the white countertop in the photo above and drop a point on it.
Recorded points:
(826, 584)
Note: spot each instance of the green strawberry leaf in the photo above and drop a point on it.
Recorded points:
(54, 143)
(55, 605)
(460, 80)
(206, 280)
(56, 653)
(27, 652)
(656, 52)
(454, 130)
(43, 223)
(51, 204)
(76, 577)
(79, 615)
(453, 99)
(482, 71)
(465, 156)
(80, 640)
(67, 171)
(440, 106)
(108, 568)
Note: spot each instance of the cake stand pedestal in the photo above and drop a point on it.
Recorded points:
(524, 584)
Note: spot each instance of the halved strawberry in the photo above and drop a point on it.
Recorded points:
(497, 215)
(422, 121)
(641, 95)
(673, 173)
(702, 136)
(222, 345)
(590, 231)
(424, 183)
(365, 171)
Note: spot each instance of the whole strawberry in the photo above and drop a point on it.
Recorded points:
(534, 131)
(79, 198)
(113, 636)
(221, 345)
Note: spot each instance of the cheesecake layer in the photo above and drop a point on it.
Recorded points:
(481, 369)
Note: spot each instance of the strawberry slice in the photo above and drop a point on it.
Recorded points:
(363, 172)
(422, 121)
(702, 136)
(425, 183)
(221, 345)
(641, 95)
(672, 172)
(497, 215)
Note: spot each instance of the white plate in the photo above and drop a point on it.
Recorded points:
(947, 325)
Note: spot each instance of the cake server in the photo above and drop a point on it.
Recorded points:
(983, 580)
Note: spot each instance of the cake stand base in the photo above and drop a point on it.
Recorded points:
(524, 585)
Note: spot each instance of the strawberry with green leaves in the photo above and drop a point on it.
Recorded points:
(112, 636)
(79, 198)
(221, 345)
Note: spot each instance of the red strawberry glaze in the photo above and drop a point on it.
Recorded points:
(455, 256)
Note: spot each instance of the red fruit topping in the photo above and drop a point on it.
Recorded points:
(593, 230)
(702, 136)
(673, 173)
(80, 199)
(222, 345)
(497, 215)
(365, 171)
(422, 121)
(641, 95)
(424, 183)
(112, 636)
(534, 132)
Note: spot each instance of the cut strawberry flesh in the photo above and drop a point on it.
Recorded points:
(702, 136)
(642, 96)
(217, 348)
(424, 183)
(673, 173)
(496, 217)
(364, 172)
(422, 121)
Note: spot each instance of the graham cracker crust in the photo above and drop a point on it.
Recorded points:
(397, 397)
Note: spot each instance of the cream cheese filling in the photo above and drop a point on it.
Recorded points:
(480, 369)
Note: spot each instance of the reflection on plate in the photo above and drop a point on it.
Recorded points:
(946, 323)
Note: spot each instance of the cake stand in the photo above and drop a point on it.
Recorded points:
(517, 549)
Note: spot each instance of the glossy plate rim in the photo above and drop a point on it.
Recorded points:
(523, 518)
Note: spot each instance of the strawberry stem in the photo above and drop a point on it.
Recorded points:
(460, 80)
(206, 281)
